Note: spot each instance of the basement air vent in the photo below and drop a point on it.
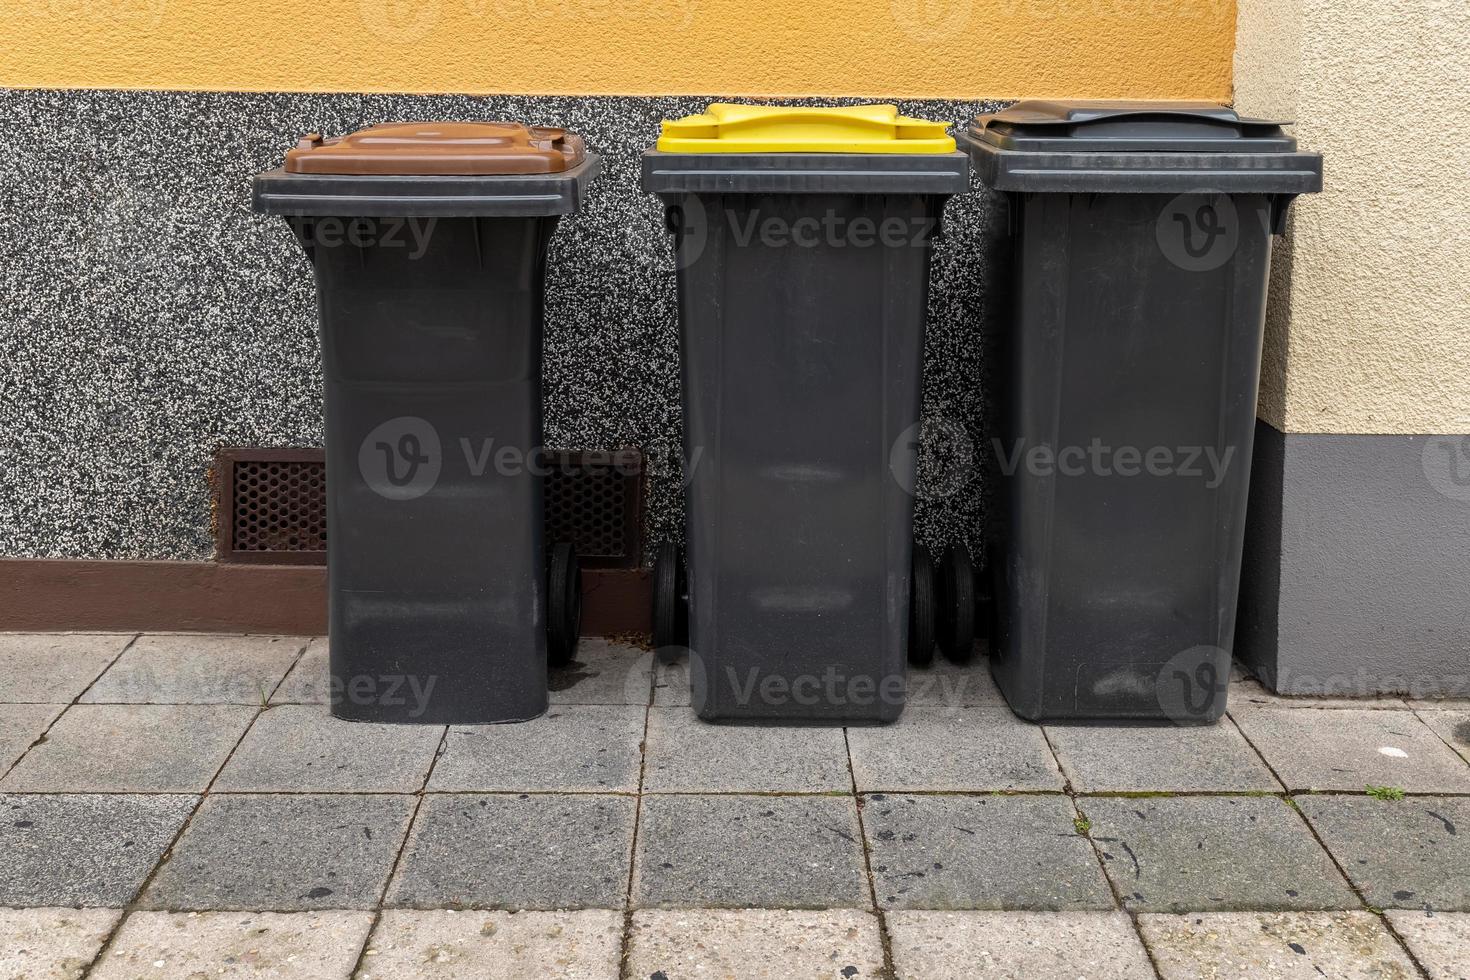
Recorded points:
(271, 506)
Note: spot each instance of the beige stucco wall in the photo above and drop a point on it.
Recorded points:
(1369, 330)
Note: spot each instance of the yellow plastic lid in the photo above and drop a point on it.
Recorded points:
(727, 128)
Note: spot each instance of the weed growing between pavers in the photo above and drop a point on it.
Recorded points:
(1384, 792)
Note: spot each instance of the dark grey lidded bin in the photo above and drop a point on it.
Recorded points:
(802, 342)
(429, 244)
(1142, 247)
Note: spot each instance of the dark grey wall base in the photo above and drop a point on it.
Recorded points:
(147, 316)
(1357, 564)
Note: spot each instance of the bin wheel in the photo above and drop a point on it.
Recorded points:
(670, 602)
(563, 604)
(989, 598)
(957, 602)
(922, 608)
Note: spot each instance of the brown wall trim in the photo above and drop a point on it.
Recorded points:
(207, 597)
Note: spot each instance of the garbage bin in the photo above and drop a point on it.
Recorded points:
(1142, 247)
(802, 244)
(429, 243)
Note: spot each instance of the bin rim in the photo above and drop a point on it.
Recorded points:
(667, 173)
(423, 195)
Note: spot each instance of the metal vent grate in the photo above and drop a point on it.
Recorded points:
(271, 506)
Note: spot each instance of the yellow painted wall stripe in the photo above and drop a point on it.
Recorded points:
(1171, 49)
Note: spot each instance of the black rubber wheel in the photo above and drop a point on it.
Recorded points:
(957, 606)
(670, 623)
(922, 609)
(988, 602)
(563, 604)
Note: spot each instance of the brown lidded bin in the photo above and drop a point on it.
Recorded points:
(429, 244)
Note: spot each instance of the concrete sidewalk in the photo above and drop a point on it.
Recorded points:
(182, 803)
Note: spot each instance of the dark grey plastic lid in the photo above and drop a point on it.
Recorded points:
(383, 195)
(1137, 147)
(805, 173)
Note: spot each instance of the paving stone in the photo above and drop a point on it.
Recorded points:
(949, 685)
(283, 853)
(198, 669)
(1440, 941)
(671, 683)
(305, 945)
(407, 945)
(604, 672)
(1439, 704)
(52, 944)
(1350, 749)
(1020, 945)
(1305, 945)
(754, 944)
(310, 681)
(53, 668)
(1451, 726)
(542, 851)
(686, 754)
(981, 852)
(1412, 853)
(965, 749)
(298, 748)
(21, 725)
(1213, 853)
(1117, 758)
(120, 748)
(83, 851)
(749, 851)
(579, 747)
(1248, 692)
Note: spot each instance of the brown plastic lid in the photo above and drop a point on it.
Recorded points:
(447, 148)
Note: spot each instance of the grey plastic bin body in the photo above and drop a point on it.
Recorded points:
(801, 378)
(1142, 249)
(431, 345)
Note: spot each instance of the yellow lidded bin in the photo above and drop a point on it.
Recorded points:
(728, 128)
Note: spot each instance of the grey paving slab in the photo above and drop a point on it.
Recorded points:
(685, 754)
(20, 725)
(52, 944)
(197, 669)
(1451, 726)
(671, 683)
(1440, 704)
(53, 668)
(301, 748)
(948, 685)
(310, 680)
(981, 852)
(83, 851)
(749, 851)
(1248, 692)
(1349, 749)
(754, 944)
(1304, 945)
(571, 748)
(132, 748)
(538, 851)
(1118, 758)
(964, 749)
(1412, 853)
(1440, 941)
(283, 853)
(604, 672)
(408, 944)
(284, 945)
(1213, 853)
(1019, 945)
